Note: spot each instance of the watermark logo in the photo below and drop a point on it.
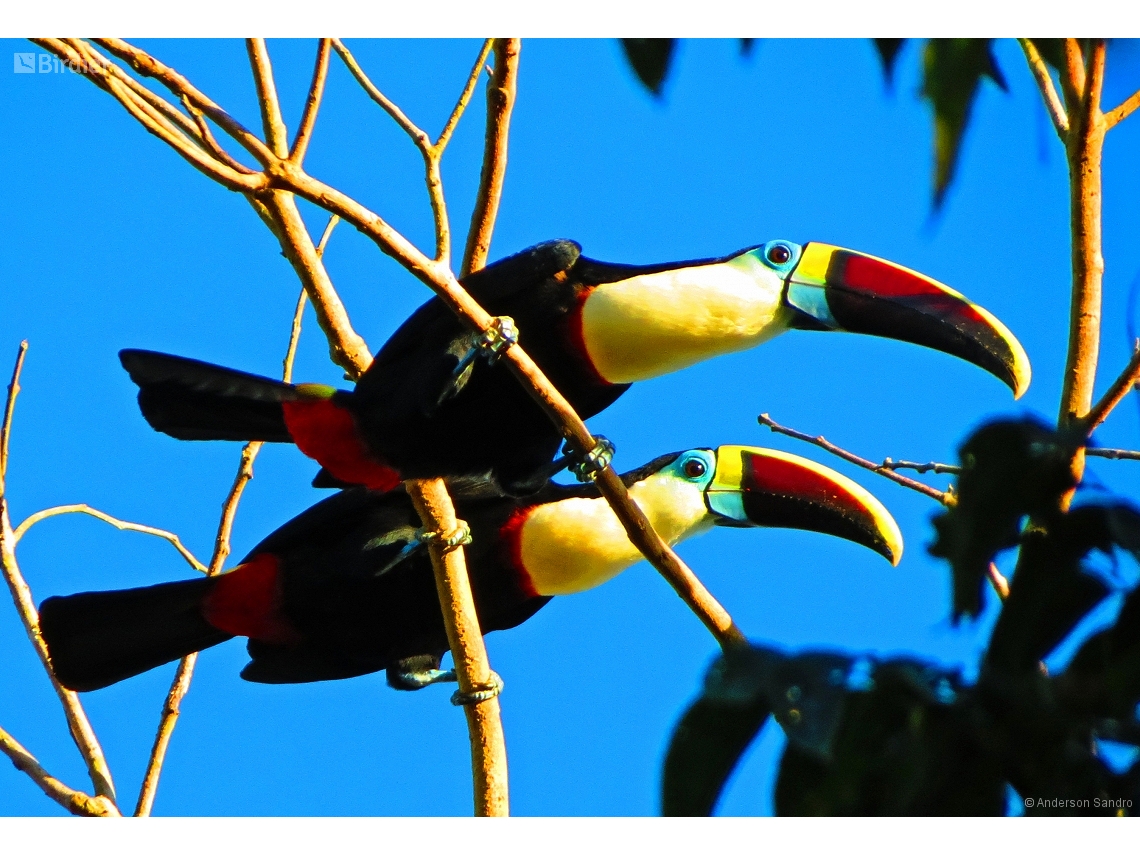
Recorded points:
(45, 63)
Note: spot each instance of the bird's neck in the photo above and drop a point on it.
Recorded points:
(656, 323)
(577, 544)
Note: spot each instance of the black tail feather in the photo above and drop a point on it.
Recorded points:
(99, 638)
(189, 399)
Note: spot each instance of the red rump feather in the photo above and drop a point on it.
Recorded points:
(510, 540)
(327, 433)
(247, 601)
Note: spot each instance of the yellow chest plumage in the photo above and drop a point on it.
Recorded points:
(578, 544)
(657, 323)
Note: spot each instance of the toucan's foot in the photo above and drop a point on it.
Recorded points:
(411, 681)
(587, 466)
(491, 344)
(483, 692)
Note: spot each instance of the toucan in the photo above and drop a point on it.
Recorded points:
(344, 588)
(428, 406)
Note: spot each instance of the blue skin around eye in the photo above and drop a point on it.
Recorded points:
(708, 458)
(788, 266)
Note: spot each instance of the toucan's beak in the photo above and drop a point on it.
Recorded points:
(839, 289)
(762, 487)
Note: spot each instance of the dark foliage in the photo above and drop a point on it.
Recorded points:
(650, 60)
(905, 737)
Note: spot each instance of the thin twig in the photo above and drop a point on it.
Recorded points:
(172, 706)
(312, 102)
(1073, 76)
(1113, 453)
(501, 91)
(1118, 114)
(9, 408)
(1044, 80)
(936, 468)
(148, 66)
(78, 725)
(156, 123)
(1116, 393)
(464, 97)
(208, 139)
(945, 498)
(419, 137)
(488, 745)
(998, 581)
(73, 801)
(121, 525)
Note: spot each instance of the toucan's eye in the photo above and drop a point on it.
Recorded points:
(694, 468)
(779, 254)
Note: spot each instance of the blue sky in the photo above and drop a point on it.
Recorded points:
(109, 240)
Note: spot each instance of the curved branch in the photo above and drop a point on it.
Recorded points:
(121, 525)
(77, 723)
(1118, 114)
(73, 801)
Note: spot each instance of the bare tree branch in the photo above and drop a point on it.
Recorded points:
(1118, 114)
(77, 723)
(121, 525)
(172, 706)
(312, 102)
(346, 348)
(936, 468)
(73, 801)
(464, 97)
(500, 103)
(148, 66)
(9, 409)
(1113, 453)
(419, 137)
(1116, 393)
(945, 498)
(1084, 149)
(488, 745)
(271, 120)
(1044, 80)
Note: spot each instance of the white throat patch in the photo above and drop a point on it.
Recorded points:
(657, 323)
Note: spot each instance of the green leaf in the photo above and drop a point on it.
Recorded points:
(952, 71)
(888, 53)
(1010, 469)
(650, 59)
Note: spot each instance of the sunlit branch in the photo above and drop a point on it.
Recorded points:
(77, 723)
(1044, 80)
(271, 119)
(945, 498)
(121, 525)
(1118, 114)
(465, 638)
(73, 801)
(500, 103)
(312, 102)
